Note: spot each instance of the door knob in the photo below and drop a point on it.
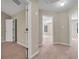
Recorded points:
(26, 29)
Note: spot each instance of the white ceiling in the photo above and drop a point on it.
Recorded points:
(53, 5)
(10, 8)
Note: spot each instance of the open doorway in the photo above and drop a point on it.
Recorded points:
(74, 29)
(11, 30)
(47, 30)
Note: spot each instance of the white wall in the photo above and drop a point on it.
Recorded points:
(21, 27)
(73, 13)
(61, 28)
(35, 26)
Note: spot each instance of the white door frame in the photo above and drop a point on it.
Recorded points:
(52, 28)
(29, 30)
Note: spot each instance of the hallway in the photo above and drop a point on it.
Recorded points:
(58, 51)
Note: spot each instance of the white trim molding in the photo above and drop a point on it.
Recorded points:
(6, 41)
(61, 43)
(29, 29)
(36, 53)
(21, 44)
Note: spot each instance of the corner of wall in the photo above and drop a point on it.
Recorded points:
(36, 53)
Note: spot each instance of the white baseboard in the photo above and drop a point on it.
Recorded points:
(5, 41)
(37, 52)
(22, 44)
(61, 43)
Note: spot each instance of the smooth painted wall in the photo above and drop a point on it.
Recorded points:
(61, 28)
(73, 13)
(35, 26)
(4, 16)
(21, 27)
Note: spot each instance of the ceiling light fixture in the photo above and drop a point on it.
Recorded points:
(62, 4)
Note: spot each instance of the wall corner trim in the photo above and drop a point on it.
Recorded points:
(37, 52)
(21, 44)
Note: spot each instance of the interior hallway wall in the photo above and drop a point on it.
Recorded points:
(60, 26)
(73, 13)
(21, 27)
(4, 16)
(35, 26)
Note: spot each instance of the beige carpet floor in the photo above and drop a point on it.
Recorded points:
(58, 51)
(11, 50)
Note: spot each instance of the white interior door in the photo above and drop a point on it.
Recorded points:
(9, 30)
